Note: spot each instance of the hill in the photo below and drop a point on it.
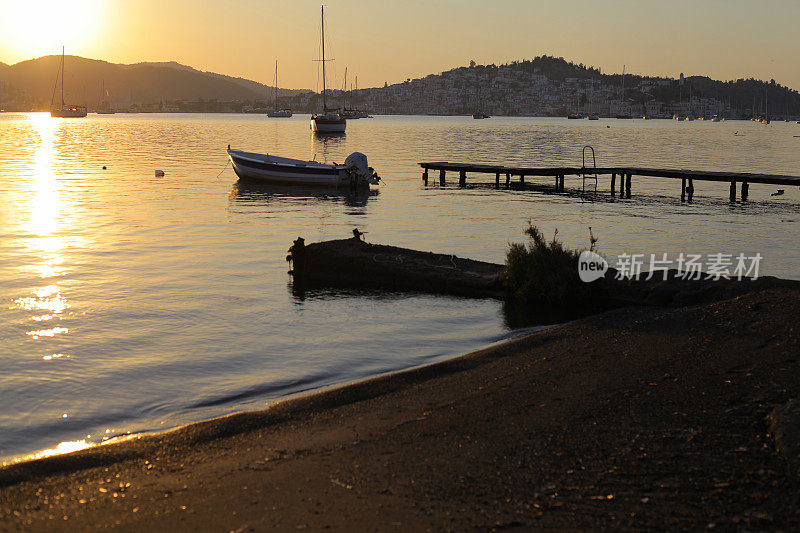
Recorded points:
(553, 86)
(146, 83)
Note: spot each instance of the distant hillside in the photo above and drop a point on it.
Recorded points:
(553, 86)
(739, 93)
(142, 82)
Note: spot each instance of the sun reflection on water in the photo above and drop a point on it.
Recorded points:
(44, 226)
(44, 215)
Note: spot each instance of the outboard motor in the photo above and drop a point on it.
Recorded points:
(356, 165)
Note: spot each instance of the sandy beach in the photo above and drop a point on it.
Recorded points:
(635, 418)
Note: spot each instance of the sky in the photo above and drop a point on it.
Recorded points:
(390, 40)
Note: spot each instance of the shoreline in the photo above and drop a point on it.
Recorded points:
(641, 417)
(42, 455)
(298, 404)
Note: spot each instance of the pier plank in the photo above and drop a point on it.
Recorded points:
(625, 173)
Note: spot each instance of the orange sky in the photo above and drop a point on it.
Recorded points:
(382, 41)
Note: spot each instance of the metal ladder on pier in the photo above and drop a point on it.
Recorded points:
(586, 173)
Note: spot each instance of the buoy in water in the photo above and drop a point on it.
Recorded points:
(159, 173)
(104, 167)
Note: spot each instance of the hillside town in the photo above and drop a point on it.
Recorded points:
(545, 86)
(522, 89)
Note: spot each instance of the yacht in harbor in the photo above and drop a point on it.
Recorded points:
(65, 111)
(103, 107)
(329, 121)
(283, 113)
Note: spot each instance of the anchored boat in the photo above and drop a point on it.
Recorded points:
(65, 111)
(355, 172)
(328, 121)
(283, 113)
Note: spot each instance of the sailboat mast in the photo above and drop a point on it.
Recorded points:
(324, 103)
(276, 85)
(62, 77)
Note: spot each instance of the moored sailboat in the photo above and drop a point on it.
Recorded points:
(283, 113)
(328, 121)
(65, 111)
(103, 107)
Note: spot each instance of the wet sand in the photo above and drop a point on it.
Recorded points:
(637, 418)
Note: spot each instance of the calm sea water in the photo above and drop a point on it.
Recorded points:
(134, 303)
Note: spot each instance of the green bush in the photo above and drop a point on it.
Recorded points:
(544, 275)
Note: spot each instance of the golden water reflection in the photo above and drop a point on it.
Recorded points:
(45, 209)
(49, 302)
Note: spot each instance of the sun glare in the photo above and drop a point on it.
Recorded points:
(34, 28)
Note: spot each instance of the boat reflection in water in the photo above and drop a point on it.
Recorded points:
(257, 193)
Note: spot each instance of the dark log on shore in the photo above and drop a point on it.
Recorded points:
(355, 263)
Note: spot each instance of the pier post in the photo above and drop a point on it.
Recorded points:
(508, 180)
(522, 181)
(690, 190)
(683, 189)
(613, 184)
(745, 190)
(425, 176)
(497, 181)
(628, 185)
(441, 177)
(462, 178)
(733, 191)
(622, 185)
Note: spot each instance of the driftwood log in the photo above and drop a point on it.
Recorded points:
(355, 263)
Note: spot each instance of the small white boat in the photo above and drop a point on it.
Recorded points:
(354, 173)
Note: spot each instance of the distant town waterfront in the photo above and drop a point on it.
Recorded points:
(545, 86)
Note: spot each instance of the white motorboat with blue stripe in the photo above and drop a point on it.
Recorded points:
(355, 172)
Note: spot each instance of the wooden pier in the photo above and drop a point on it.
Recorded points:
(625, 174)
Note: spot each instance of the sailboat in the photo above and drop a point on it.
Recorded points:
(352, 113)
(283, 113)
(327, 121)
(622, 114)
(102, 105)
(690, 116)
(480, 115)
(65, 111)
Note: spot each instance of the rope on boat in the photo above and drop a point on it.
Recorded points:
(223, 169)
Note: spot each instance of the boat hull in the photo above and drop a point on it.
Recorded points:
(280, 114)
(286, 171)
(328, 124)
(68, 112)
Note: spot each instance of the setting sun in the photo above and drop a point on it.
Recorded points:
(40, 27)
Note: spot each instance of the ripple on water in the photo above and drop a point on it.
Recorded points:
(131, 302)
